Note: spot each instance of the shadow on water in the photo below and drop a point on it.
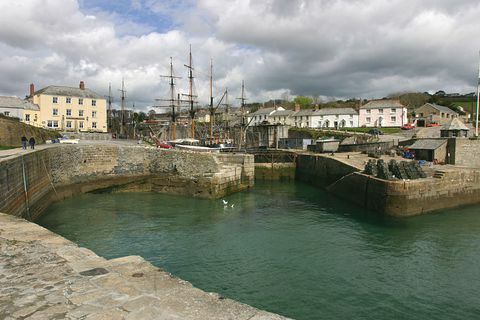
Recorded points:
(291, 248)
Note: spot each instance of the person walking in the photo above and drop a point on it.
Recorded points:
(24, 143)
(32, 142)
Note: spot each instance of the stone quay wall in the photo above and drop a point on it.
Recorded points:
(31, 182)
(411, 197)
(321, 170)
(452, 187)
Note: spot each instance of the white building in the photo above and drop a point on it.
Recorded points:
(281, 117)
(382, 113)
(24, 110)
(261, 116)
(334, 118)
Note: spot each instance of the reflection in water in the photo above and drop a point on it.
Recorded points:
(291, 249)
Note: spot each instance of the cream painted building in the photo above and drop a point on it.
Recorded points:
(70, 109)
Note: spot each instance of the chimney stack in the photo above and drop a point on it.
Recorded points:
(82, 85)
(32, 89)
(297, 107)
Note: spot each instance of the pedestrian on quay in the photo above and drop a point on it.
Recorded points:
(32, 142)
(24, 143)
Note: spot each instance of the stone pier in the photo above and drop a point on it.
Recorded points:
(45, 276)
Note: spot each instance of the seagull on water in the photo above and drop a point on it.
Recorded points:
(224, 202)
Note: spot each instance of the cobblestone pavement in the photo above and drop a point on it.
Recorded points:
(44, 276)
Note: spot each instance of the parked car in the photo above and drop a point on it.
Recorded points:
(375, 132)
(408, 126)
(433, 124)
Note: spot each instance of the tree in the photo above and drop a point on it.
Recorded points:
(411, 100)
(304, 102)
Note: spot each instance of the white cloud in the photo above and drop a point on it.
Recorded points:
(330, 48)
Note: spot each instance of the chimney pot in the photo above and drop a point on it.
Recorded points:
(82, 85)
(32, 89)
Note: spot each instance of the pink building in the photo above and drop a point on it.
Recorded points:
(382, 113)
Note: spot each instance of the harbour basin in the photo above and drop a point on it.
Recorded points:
(292, 249)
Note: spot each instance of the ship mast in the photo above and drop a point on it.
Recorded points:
(172, 99)
(190, 93)
(478, 99)
(110, 100)
(122, 112)
(212, 110)
(242, 110)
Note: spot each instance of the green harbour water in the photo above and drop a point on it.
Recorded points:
(291, 249)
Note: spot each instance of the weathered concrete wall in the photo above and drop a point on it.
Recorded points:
(32, 181)
(321, 170)
(407, 198)
(45, 276)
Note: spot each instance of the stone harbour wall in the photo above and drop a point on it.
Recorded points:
(321, 170)
(31, 182)
(452, 188)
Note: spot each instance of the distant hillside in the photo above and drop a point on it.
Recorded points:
(12, 130)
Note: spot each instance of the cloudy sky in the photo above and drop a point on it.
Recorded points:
(331, 48)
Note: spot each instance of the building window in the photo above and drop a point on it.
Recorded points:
(368, 110)
(69, 112)
(80, 100)
(94, 114)
(52, 123)
(80, 113)
(55, 99)
(351, 124)
(393, 110)
(27, 117)
(55, 112)
(393, 119)
(69, 100)
(80, 124)
(69, 124)
(380, 110)
(7, 113)
(35, 118)
(368, 119)
(351, 116)
(94, 103)
(94, 125)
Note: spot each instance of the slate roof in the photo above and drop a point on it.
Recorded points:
(382, 104)
(69, 92)
(17, 103)
(261, 112)
(335, 111)
(455, 124)
(428, 144)
(441, 108)
(304, 112)
(281, 113)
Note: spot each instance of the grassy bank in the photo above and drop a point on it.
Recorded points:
(6, 147)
